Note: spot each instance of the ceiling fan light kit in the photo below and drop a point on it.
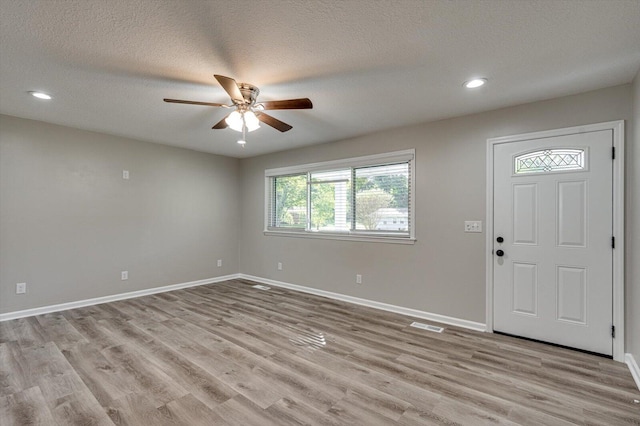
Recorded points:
(239, 120)
(248, 113)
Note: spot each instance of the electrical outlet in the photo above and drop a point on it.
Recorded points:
(125, 174)
(21, 288)
(219, 263)
(124, 275)
(472, 226)
(279, 266)
(358, 279)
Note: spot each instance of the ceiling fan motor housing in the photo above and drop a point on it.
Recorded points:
(249, 92)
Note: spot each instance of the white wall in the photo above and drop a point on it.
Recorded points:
(69, 223)
(444, 272)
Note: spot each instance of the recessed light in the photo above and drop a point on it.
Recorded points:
(475, 83)
(40, 95)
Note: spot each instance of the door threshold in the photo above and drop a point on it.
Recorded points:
(555, 345)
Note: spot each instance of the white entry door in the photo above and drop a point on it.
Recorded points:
(553, 212)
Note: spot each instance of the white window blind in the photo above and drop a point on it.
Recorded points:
(329, 194)
(382, 198)
(361, 198)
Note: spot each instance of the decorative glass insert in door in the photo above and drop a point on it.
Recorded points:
(549, 160)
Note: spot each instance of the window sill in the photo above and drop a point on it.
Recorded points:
(343, 237)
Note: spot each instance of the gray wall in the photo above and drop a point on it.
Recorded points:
(632, 296)
(444, 272)
(69, 223)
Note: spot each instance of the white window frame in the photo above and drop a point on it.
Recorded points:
(355, 162)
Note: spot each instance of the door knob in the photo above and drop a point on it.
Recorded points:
(499, 253)
(499, 239)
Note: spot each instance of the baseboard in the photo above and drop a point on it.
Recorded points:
(337, 296)
(477, 326)
(105, 299)
(633, 367)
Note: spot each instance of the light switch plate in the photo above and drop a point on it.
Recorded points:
(472, 226)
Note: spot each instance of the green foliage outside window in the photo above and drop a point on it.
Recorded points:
(291, 201)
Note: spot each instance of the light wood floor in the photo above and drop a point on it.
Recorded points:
(229, 354)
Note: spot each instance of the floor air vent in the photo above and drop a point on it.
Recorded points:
(261, 287)
(304, 337)
(427, 327)
(309, 340)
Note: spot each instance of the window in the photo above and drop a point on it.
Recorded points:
(358, 198)
(291, 197)
(550, 160)
(329, 193)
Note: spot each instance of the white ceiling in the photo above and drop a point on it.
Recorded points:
(367, 65)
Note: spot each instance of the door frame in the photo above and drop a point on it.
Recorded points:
(618, 219)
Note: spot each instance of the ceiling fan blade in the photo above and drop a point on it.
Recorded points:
(178, 101)
(231, 87)
(303, 103)
(274, 122)
(222, 124)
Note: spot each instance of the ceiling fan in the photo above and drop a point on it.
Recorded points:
(248, 113)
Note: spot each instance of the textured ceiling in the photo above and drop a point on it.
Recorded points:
(367, 65)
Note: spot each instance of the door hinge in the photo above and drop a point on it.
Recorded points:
(613, 152)
(613, 242)
(613, 331)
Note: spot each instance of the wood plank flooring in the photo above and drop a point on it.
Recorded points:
(229, 354)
